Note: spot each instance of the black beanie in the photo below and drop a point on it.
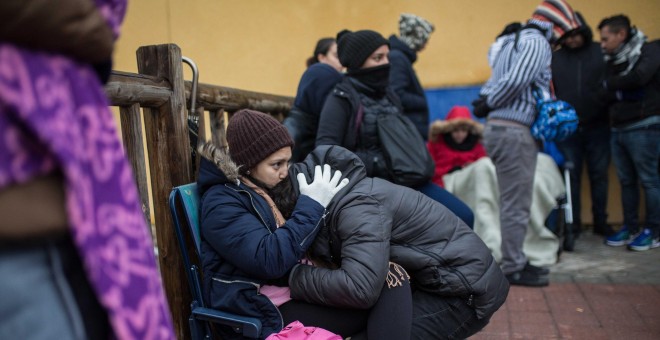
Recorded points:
(354, 48)
(252, 136)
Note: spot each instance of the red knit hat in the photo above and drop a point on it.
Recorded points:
(252, 136)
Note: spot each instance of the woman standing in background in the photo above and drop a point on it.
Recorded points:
(350, 114)
(322, 74)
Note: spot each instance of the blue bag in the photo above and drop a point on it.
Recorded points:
(551, 149)
(555, 119)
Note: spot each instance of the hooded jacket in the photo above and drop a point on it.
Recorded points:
(242, 248)
(577, 75)
(405, 84)
(521, 61)
(448, 155)
(373, 221)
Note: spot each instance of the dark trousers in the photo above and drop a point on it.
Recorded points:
(636, 155)
(451, 202)
(389, 318)
(441, 317)
(590, 146)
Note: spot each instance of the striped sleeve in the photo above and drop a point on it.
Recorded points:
(515, 75)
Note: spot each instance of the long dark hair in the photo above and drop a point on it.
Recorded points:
(282, 194)
(322, 47)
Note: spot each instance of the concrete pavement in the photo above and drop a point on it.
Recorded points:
(595, 292)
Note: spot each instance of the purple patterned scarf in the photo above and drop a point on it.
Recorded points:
(54, 115)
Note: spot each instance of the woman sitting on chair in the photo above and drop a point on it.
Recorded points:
(248, 248)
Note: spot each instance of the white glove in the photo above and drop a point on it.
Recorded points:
(322, 189)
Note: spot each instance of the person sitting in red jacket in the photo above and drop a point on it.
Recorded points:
(454, 142)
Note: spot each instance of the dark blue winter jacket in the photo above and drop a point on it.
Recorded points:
(404, 82)
(303, 120)
(242, 248)
(315, 85)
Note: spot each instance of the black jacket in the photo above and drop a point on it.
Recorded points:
(373, 221)
(577, 76)
(338, 126)
(405, 84)
(639, 89)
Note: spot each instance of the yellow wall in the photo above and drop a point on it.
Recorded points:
(262, 45)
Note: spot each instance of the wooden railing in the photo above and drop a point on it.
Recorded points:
(158, 98)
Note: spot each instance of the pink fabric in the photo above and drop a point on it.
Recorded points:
(297, 331)
(54, 116)
(277, 295)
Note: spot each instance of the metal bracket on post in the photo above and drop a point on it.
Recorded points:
(193, 90)
(193, 117)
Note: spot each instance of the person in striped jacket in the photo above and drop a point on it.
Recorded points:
(520, 61)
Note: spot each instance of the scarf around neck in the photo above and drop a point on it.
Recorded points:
(628, 52)
(54, 116)
(279, 218)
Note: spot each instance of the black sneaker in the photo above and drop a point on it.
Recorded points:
(604, 230)
(527, 278)
(536, 270)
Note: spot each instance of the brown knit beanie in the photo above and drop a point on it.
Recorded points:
(252, 136)
(353, 48)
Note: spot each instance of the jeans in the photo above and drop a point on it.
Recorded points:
(636, 154)
(45, 295)
(591, 145)
(451, 202)
(514, 152)
(443, 317)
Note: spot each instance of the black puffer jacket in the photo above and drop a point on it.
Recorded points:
(577, 75)
(339, 123)
(371, 219)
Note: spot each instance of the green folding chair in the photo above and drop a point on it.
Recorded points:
(184, 206)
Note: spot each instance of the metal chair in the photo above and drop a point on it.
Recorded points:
(184, 206)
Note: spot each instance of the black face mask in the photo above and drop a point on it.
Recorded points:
(377, 78)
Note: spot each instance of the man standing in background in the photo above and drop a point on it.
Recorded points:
(632, 82)
(414, 32)
(577, 68)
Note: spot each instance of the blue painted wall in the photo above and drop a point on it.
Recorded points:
(441, 100)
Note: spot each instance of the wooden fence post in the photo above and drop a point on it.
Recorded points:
(131, 127)
(166, 133)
